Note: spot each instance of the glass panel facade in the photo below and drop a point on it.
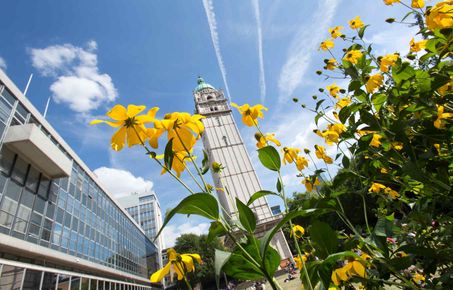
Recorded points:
(72, 215)
(11, 277)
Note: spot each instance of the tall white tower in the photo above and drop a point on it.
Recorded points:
(223, 142)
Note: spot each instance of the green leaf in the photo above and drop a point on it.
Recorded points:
(202, 204)
(362, 31)
(319, 104)
(221, 257)
(279, 185)
(246, 216)
(260, 194)
(241, 267)
(205, 163)
(402, 73)
(168, 154)
(215, 230)
(319, 115)
(344, 114)
(270, 158)
(423, 81)
(383, 228)
(324, 239)
(345, 161)
(378, 100)
(271, 261)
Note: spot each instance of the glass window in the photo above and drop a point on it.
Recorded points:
(39, 205)
(49, 281)
(6, 220)
(43, 187)
(9, 205)
(6, 160)
(75, 283)
(32, 279)
(85, 282)
(11, 277)
(20, 225)
(64, 281)
(93, 284)
(20, 170)
(32, 179)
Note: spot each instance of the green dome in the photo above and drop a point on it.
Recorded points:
(202, 85)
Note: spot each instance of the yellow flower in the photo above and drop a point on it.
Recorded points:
(356, 23)
(388, 60)
(183, 128)
(331, 64)
(418, 3)
(132, 129)
(343, 103)
(301, 163)
(299, 263)
(384, 170)
(374, 82)
(417, 46)
(181, 264)
(336, 31)
(440, 16)
(351, 268)
(337, 127)
(418, 278)
(397, 145)
(376, 140)
(376, 187)
(309, 185)
(321, 154)
(391, 2)
(393, 193)
(178, 163)
(353, 56)
(297, 231)
(249, 114)
(441, 117)
(325, 45)
(333, 89)
(290, 154)
(217, 167)
(446, 89)
(262, 140)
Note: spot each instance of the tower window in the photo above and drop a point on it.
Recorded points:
(225, 140)
(209, 97)
(218, 121)
(215, 109)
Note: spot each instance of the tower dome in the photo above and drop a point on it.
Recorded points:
(202, 85)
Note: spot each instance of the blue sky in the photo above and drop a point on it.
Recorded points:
(90, 55)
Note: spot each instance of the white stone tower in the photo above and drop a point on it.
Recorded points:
(223, 142)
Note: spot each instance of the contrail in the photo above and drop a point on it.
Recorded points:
(209, 9)
(256, 8)
(303, 45)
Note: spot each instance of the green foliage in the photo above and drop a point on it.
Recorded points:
(270, 158)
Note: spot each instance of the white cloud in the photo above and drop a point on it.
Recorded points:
(393, 40)
(172, 232)
(78, 81)
(2, 63)
(212, 22)
(303, 45)
(121, 182)
(256, 8)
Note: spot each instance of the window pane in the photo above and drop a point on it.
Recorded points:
(9, 205)
(11, 277)
(6, 160)
(20, 225)
(32, 279)
(6, 220)
(19, 170)
(63, 281)
(32, 179)
(13, 190)
(39, 205)
(43, 187)
(85, 282)
(75, 283)
(49, 281)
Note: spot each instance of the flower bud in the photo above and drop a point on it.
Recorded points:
(411, 56)
(390, 20)
(344, 50)
(314, 97)
(303, 106)
(318, 72)
(217, 167)
(321, 90)
(295, 100)
(306, 151)
(342, 91)
(152, 154)
(258, 136)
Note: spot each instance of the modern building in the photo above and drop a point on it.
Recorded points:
(223, 142)
(59, 227)
(145, 209)
(276, 210)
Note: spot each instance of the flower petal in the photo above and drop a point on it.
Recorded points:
(113, 124)
(118, 139)
(156, 277)
(133, 110)
(118, 113)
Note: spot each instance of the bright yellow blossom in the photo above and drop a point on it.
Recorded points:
(290, 154)
(132, 129)
(388, 60)
(263, 139)
(353, 56)
(418, 278)
(418, 3)
(331, 64)
(391, 2)
(343, 102)
(321, 154)
(333, 89)
(350, 268)
(417, 46)
(440, 15)
(392, 193)
(397, 145)
(356, 23)
(309, 185)
(376, 140)
(446, 89)
(374, 82)
(327, 44)
(441, 117)
(178, 163)
(249, 114)
(297, 231)
(301, 163)
(337, 127)
(336, 31)
(299, 263)
(181, 264)
(376, 187)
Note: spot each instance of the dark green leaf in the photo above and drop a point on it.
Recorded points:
(202, 204)
(262, 193)
(378, 100)
(345, 161)
(344, 114)
(319, 104)
(324, 239)
(362, 31)
(246, 216)
(402, 73)
(215, 230)
(279, 185)
(270, 158)
(205, 163)
(168, 154)
(221, 257)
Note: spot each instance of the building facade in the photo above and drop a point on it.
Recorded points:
(223, 142)
(145, 209)
(59, 228)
